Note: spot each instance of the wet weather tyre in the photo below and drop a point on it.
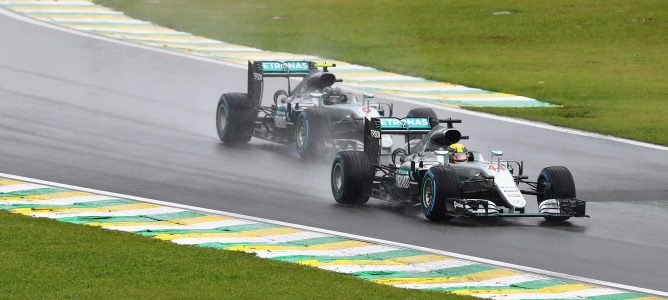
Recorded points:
(235, 117)
(439, 185)
(423, 112)
(352, 177)
(309, 132)
(555, 183)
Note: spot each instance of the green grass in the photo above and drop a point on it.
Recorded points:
(605, 61)
(42, 258)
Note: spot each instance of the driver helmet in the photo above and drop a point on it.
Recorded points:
(458, 153)
(333, 95)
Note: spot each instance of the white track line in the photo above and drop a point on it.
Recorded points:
(121, 213)
(60, 201)
(24, 18)
(325, 232)
(532, 124)
(500, 282)
(206, 225)
(278, 238)
(418, 267)
(19, 187)
(352, 251)
(565, 295)
(21, 17)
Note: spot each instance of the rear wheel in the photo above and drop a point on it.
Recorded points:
(352, 177)
(310, 131)
(235, 116)
(422, 112)
(555, 183)
(439, 185)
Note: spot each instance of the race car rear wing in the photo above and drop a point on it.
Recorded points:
(376, 127)
(258, 70)
(272, 68)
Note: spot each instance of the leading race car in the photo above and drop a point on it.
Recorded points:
(444, 178)
(314, 115)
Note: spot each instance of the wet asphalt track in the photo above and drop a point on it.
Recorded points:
(96, 114)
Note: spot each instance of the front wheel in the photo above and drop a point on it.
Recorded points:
(555, 183)
(352, 177)
(439, 185)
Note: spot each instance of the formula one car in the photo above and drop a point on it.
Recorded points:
(444, 178)
(314, 115)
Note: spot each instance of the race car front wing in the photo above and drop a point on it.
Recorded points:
(548, 208)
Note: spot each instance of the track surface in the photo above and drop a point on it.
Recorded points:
(111, 117)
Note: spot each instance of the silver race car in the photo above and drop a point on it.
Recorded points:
(447, 180)
(313, 115)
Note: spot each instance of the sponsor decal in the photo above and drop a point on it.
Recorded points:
(511, 191)
(406, 123)
(285, 67)
(282, 108)
(402, 177)
(375, 134)
(494, 168)
(403, 172)
(281, 121)
(257, 76)
(513, 195)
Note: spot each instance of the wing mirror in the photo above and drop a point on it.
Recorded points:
(497, 154)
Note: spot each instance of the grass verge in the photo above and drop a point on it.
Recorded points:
(605, 61)
(41, 258)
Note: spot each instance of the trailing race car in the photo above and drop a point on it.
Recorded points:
(313, 115)
(444, 178)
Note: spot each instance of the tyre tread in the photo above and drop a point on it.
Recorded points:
(241, 117)
(562, 186)
(316, 117)
(447, 187)
(357, 177)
